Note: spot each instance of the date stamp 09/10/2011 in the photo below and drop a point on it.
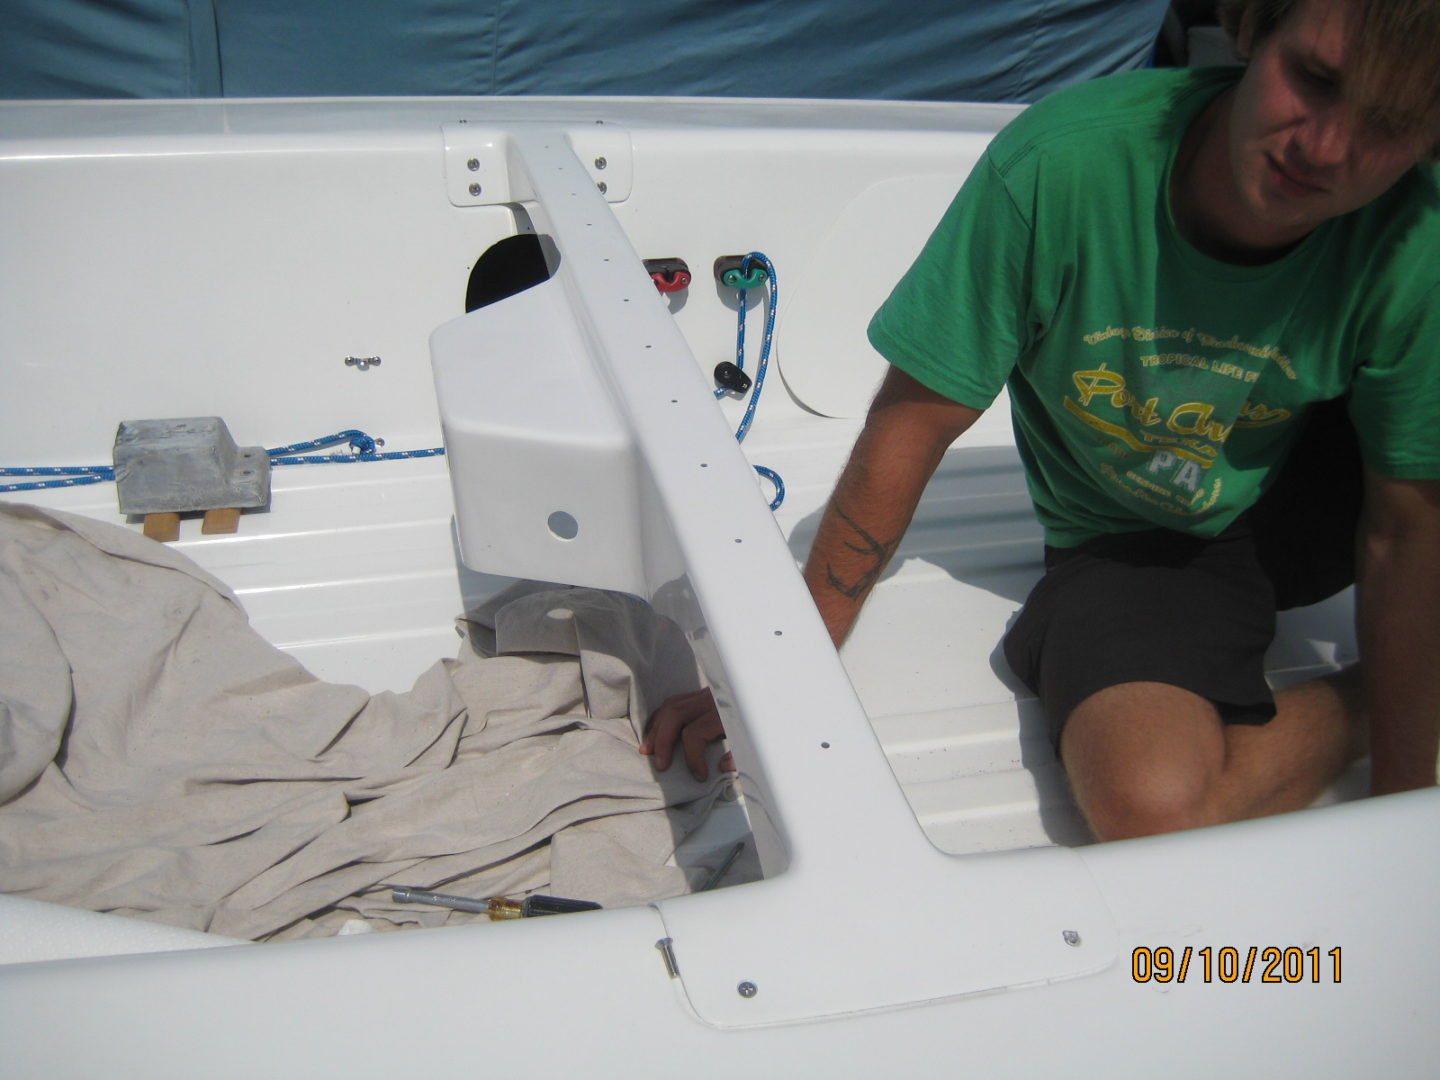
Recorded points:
(1232, 964)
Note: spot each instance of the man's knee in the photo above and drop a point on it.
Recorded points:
(1147, 802)
(1143, 758)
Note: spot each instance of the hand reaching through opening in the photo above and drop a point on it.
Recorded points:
(691, 720)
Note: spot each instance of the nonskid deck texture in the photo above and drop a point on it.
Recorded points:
(966, 742)
(974, 763)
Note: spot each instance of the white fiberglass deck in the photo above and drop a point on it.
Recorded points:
(354, 572)
(357, 573)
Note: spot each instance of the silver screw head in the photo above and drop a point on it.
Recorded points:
(473, 164)
(600, 163)
(475, 189)
(604, 187)
(1072, 937)
(748, 989)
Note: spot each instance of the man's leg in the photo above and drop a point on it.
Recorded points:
(1147, 757)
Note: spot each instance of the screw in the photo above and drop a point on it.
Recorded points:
(1072, 937)
(475, 189)
(473, 164)
(600, 163)
(748, 989)
(603, 187)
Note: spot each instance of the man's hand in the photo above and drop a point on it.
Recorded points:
(691, 720)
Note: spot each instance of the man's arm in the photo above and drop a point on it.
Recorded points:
(1398, 624)
(906, 433)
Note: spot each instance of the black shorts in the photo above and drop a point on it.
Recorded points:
(1162, 606)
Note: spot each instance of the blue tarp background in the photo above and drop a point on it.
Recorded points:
(987, 50)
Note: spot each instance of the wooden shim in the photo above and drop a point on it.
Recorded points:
(162, 527)
(221, 520)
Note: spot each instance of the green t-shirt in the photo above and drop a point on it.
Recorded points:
(1151, 384)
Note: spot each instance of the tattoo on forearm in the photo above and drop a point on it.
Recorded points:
(879, 552)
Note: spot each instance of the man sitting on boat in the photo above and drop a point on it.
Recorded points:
(1200, 287)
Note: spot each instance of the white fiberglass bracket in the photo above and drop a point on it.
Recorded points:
(542, 469)
(479, 167)
(542, 459)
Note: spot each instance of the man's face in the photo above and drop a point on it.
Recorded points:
(1300, 150)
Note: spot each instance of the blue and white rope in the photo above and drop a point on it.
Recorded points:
(772, 300)
(74, 476)
(363, 445)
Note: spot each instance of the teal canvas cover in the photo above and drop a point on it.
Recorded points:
(990, 50)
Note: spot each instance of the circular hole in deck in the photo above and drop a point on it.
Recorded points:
(563, 526)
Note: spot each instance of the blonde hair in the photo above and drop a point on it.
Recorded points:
(1394, 70)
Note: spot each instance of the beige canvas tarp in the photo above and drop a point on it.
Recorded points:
(159, 759)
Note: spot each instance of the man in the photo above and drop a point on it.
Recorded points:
(1174, 273)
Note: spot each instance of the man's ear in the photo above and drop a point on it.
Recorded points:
(1245, 34)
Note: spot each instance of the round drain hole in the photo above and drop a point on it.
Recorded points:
(563, 526)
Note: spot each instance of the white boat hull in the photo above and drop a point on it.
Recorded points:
(930, 903)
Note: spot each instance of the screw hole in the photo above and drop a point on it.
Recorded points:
(824, 746)
(563, 526)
